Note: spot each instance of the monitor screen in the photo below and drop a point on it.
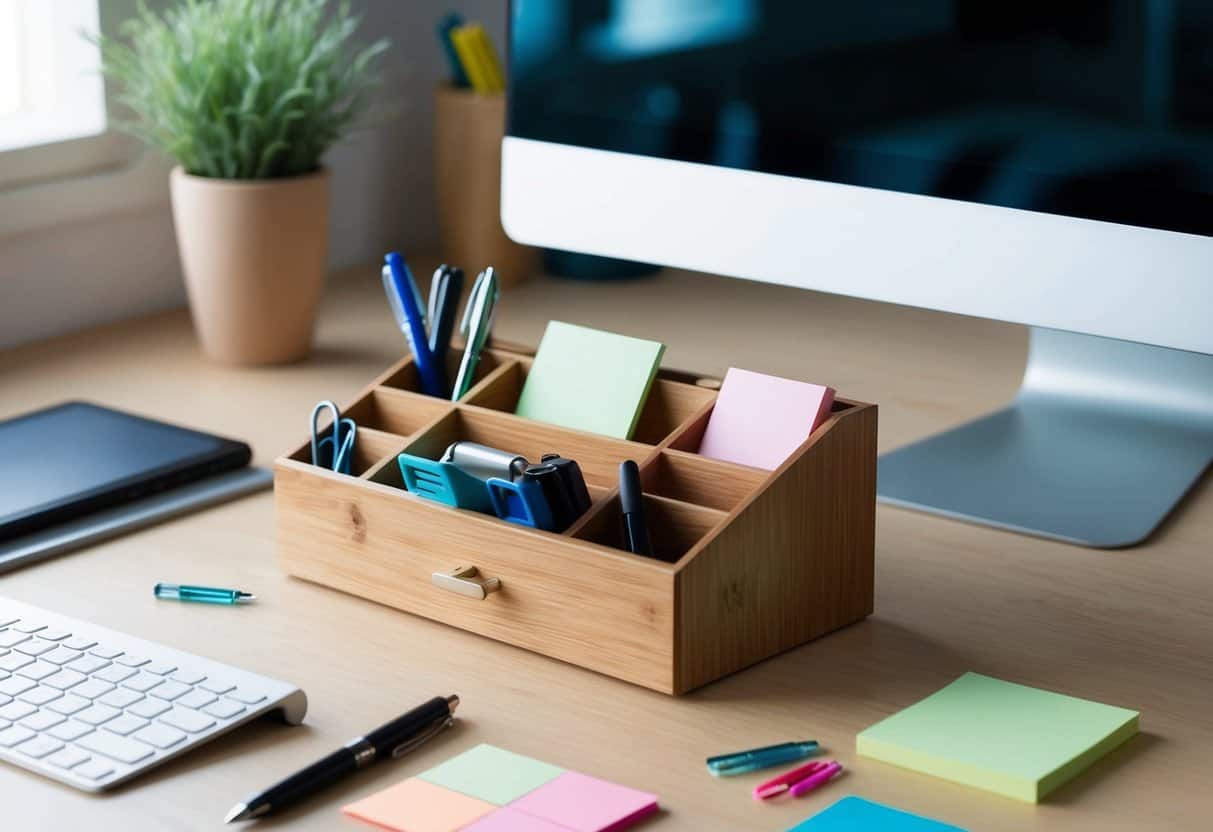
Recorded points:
(1101, 109)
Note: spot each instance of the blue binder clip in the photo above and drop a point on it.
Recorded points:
(521, 502)
(444, 483)
(335, 452)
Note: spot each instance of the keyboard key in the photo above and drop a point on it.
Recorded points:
(93, 770)
(14, 661)
(246, 696)
(54, 634)
(27, 627)
(67, 758)
(188, 677)
(38, 670)
(40, 695)
(92, 689)
(70, 730)
(132, 661)
(187, 720)
(69, 704)
(88, 664)
(64, 679)
(124, 724)
(39, 747)
(14, 711)
(149, 708)
(16, 685)
(159, 735)
(169, 690)
(11, 638)
(224, 709)
(120, 698)
(96, 714)
(160, 668)
(35, 647)
(5, 699)
(61, 655)
(42, 720)
(217, 686)
(122, 749)
(5, 619)
(196, 699)
(78, 643)
(14, 735)
(142, 682)
(114, 673)
(106, 652)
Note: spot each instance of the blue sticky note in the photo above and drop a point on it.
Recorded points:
(854, 814)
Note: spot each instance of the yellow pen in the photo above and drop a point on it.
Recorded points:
(466, 47)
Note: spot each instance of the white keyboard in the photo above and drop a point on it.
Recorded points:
(91, 707)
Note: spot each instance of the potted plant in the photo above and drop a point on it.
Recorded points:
(246, 96)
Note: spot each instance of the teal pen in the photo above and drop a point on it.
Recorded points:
(202, 594)
(741, 762)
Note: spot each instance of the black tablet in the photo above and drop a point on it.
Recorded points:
(67, 461)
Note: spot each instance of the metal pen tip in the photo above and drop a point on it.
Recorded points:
(238, 812)
(245, 597)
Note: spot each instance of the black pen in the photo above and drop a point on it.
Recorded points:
(398, 737)
(631, 501)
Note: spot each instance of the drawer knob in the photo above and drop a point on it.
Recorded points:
(466, 580)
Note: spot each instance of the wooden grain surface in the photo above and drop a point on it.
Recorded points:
(1131, 628)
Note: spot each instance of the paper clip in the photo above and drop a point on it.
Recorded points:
(800, 780)
(335, 452)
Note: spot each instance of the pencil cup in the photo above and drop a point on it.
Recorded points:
(468, 128)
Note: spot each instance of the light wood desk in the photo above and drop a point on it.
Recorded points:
(1131, 628)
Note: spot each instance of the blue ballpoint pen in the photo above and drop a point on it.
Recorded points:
(772, 755)
(398, 284)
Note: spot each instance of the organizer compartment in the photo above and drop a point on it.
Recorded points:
(406, 378)
(749, 562)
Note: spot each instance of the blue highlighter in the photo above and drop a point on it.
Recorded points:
(740, 762)
(402, 297)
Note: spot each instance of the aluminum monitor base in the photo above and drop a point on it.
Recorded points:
(1104, 438)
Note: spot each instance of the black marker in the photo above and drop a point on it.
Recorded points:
(635, 532)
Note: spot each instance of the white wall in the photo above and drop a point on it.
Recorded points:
(121, 264)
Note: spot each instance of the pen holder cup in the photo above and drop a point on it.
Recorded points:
(468, 129)
(747, 562)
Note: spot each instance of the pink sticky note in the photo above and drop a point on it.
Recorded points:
(587, 804)
(511, 820)
(418, 806)
(759, 420)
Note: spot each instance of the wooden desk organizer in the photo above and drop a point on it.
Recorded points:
(751, 562)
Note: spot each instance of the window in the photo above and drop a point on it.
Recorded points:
(50, 85)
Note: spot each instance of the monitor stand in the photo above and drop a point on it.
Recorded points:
(1103, 440)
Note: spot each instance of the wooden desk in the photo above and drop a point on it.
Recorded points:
(1130, 628)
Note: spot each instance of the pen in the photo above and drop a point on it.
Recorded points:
(203, 594)
(476, 326)
(635, 532)
(445, 288)
(395, 739)
(755, 759)
(400, 288)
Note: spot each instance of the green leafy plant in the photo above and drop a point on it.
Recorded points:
(242, 89)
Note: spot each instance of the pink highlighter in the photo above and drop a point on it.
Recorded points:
(800, 780)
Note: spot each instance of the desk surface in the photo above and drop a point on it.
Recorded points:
(1130, 628)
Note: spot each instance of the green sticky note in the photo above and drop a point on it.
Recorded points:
(492, 774)
(590, 380)
(1018, 741)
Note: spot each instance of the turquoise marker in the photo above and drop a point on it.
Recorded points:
(202, 594)
(740, 762)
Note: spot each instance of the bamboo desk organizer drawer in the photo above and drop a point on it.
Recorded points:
(750, 562)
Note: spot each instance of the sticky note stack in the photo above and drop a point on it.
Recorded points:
(590, 380)
(854, 813)
(1011, 739)
(489, 789)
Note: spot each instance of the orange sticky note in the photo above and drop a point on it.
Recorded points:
(418, 806)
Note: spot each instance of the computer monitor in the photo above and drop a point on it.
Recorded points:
(1048, 163)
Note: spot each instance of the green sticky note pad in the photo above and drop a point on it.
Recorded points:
(590, 380)
(492, 774)
(1011, 739)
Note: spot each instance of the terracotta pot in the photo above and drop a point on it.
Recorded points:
(254, 253)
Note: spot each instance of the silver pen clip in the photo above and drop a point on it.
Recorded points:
(419, 740)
